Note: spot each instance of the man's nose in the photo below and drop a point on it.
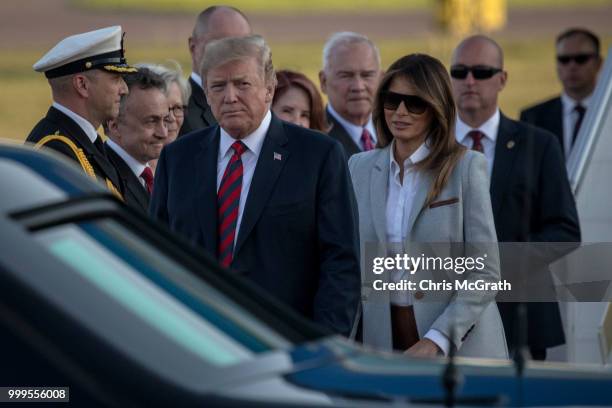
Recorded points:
(230, 94)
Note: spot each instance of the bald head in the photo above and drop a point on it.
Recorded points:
(214, 23)
(486, 46)
(476, 94)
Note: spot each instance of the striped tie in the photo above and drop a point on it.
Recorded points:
(228, 199)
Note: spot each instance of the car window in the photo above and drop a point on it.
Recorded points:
(159, 291)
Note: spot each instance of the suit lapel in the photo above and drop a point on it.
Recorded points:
(378, 193)
(555, 120)
(506, 147)
(88, 147)
(267, 170)
(424, 182)
(205, 163)
(130, 180)
(338, 132)
(200, 100)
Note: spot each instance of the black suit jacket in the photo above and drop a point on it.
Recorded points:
(337, 131)
(135, 195)
(57, 123)
(532, 202)
(298, 237)
(547, 115)
(199, 115)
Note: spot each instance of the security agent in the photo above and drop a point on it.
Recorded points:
(85, 74)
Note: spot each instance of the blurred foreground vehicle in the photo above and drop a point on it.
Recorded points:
(96, 297)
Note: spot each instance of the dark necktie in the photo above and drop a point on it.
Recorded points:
(366, 140)
(147, 176)
(477, 136)
(228, 199)
(100, 146)
(581, 111)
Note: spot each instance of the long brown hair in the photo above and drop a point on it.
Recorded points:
(432, 83)
(287, 79)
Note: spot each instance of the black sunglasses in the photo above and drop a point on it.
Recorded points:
(478, 71)
(414, 104)
(577, 58)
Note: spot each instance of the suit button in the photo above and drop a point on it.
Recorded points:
(418, 295)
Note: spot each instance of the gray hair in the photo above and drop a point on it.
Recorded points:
(345, 38)
(171, 75)
(228, 49)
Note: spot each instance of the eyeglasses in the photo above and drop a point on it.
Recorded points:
(479, 72)
(178, 110)
(414, 104)
(577, 58)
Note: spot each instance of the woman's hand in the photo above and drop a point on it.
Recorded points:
(424, 348)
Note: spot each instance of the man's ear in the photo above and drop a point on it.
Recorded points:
(503, 78)
(323, 81)
(269, 93)
(113, 129)
(81, 85)
(191, 43)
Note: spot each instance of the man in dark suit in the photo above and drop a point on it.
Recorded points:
(272, 201)
(212, 24)
(85, 74)
(578, 65)
(350, 75)
(138, 134)
(530, 193)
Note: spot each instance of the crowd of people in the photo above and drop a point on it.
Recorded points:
(250, 165)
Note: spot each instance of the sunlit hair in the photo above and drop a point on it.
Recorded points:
(343, 39)
(228, 49)
(286, 79)
(171, 74)
(429, 78)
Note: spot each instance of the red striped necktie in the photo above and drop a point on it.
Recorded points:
(147, 176)
(477, 136)
(228, 199)
(366, 140)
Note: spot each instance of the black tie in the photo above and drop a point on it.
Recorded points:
(99, 145)
(581, 110)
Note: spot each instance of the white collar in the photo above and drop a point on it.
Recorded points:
(83, 123)
(134, 165)
(569, 104)
(197, 79)
(489, 128)
(253, 142)
(353, 130)
(419, 154)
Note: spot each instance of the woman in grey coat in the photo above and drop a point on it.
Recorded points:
(421, 194)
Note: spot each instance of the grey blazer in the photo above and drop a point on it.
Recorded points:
(461, 213)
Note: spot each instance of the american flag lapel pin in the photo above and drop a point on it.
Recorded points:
(277, 156)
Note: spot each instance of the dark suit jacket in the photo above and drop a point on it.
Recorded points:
(532, 202)
(337, 131)
(199, 115)
(547, 115)
(298, 236)
(135, 195)
(57, 123)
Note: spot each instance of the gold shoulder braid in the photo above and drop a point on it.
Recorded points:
(81, 157)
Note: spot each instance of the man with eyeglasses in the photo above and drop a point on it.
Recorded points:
(138, 134)
(578, 65)
(530, 193)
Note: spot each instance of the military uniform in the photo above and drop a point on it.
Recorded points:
(59, 132)
(70, 134)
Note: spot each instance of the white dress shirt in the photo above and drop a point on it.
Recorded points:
(253, 142)
(490, 129)
(134, 165)
(400, 197)
(197, 79)
(353, 130)
(570, 117)
(83, 123)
